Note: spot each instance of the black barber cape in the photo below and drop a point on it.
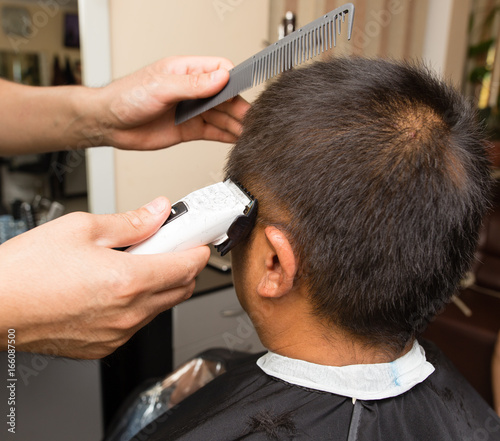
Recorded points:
(247, 404)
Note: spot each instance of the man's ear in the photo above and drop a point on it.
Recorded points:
(280, 265)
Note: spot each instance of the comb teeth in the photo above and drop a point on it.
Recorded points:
(302, 45)
(294, 49)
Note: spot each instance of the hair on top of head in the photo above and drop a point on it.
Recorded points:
(377, 173)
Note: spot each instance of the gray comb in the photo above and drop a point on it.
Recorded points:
(292, 50)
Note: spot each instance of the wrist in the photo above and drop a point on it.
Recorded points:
(89, 125)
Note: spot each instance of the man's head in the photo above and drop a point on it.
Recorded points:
(375, 174)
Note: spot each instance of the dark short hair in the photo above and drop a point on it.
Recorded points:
(377, 173)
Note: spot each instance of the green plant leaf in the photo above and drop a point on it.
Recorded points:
(477, 74)
(481, 48)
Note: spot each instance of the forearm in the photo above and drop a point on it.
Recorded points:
(43, 119)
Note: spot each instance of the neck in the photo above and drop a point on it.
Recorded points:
(332, 351)
(300, 335)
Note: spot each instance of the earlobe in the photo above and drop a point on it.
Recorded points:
(280, 265)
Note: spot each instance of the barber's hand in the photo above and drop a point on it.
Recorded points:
(138, 111)
(66, 292)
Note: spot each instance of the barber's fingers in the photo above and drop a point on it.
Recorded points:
(218, 124)
(222, 123)
(191, 77)
(160, 302)
(159, 273)
(123, 229)
(193, 86)
(236, 107)
(193, 64)
(151, 284)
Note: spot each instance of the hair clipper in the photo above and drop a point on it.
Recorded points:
(221, 214)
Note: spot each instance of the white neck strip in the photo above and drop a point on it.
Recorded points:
(358, 381)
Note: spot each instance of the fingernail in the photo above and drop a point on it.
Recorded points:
(157, 206)
(216, 75)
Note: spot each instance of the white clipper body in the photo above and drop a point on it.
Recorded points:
(220, 214)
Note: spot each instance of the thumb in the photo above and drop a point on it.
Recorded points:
(123, 229)
(193, 86)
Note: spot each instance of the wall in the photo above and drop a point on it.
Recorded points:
(144, 31)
